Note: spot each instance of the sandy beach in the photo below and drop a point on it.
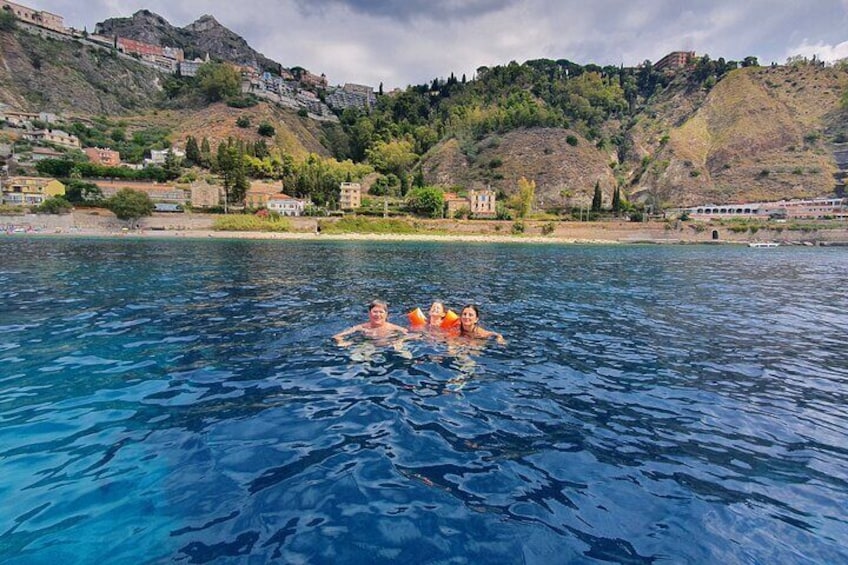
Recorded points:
(199, 226)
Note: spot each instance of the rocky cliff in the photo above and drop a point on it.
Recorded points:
(203, 37)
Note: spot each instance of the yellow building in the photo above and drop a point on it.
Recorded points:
(29, 191)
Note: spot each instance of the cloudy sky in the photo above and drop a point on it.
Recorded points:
(402, 42)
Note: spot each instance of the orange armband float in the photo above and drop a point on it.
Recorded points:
(450, 320)
(417, 317)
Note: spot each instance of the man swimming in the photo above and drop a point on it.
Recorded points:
(377, 326)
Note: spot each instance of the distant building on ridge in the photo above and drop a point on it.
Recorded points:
(675, 60)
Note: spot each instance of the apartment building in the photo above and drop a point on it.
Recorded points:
(350, 196)
(29, 191)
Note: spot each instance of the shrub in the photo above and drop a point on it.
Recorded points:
(518, 228)
(571, 140)
(243, 122)
(811, 137)
(54, 205)
(238, 222)
(266, 130)
(357, 224)
(548, 228)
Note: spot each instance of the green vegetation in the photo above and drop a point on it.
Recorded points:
(218, 81)
(597, 198)
(243, 222)
(66, 168)
(522, 202)
(243, 101)
(130, 205)
(82, 192)
(357, 224)
(426, 201)
(106, 133)
(7, 20)
(54, 205)
(266, 130)
(11, 210)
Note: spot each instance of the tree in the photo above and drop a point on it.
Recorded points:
(418, 180)
(428, 201)
(54, 205)
(205, 153)
(232, 168)
(394, 156)
(616, 200)
(192, 152)
(130, 205)
(173, 165)
(217, 81)
(522, 202)
(78, 192)
(597, 199)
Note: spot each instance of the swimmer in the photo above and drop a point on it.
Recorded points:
(469, 328)
(377, 325)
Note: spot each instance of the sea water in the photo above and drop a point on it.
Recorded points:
(182, 400)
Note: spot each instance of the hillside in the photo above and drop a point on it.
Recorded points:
(294, 135)
(758, 134)
(67, 76)
(203, 37)
(727, 135)
(761, 133)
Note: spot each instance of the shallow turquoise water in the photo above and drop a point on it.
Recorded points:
(181, 401)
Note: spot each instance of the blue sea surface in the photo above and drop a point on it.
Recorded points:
(183, 401)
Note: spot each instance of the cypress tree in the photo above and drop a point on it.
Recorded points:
(192, 152)
(616, 200)
(597, 199)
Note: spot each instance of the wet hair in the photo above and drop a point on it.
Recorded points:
(378, 303)
(439, 302)
(462, 330)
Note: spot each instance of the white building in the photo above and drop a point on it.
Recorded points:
(286, 205)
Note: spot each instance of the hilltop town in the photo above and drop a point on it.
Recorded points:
(284, 141)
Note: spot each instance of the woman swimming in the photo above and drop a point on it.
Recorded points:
(469, 326)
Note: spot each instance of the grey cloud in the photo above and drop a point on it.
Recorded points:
(411, 42)
(410, 9)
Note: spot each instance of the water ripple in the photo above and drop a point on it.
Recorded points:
(653, 404)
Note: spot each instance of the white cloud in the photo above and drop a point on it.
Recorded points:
(822, 51)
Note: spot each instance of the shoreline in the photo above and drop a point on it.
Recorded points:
(101, 225)
(306, 236)
(204, 234)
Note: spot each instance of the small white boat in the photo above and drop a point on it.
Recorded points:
(763, 244)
